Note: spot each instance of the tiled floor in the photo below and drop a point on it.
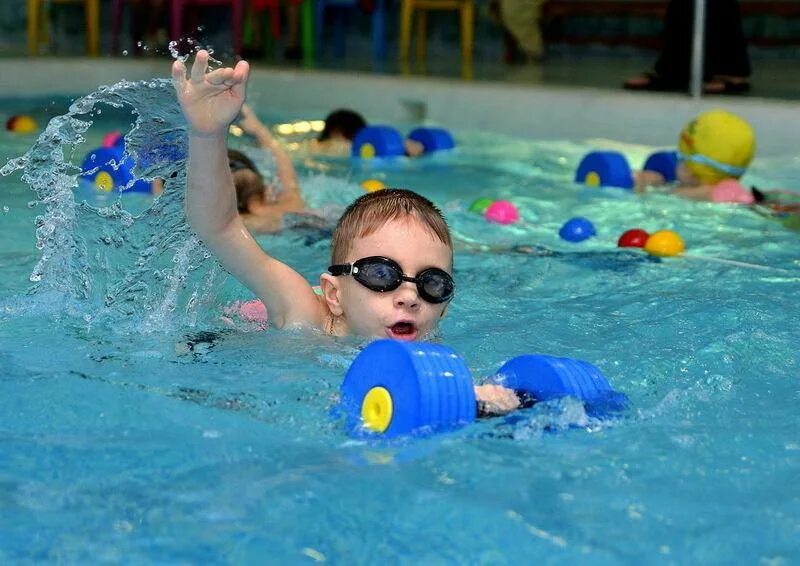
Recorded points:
(773, 76)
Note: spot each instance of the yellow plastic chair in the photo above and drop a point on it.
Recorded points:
(92, 8)
(466, 10)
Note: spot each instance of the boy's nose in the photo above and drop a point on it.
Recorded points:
(406, 296)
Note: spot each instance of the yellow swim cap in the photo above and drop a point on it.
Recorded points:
(717, 145)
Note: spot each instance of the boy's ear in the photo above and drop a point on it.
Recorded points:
(331, 293)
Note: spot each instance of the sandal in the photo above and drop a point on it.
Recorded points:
(652, 82)
(726, 85)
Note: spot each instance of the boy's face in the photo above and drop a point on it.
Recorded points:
(685, 176)
(400, 314)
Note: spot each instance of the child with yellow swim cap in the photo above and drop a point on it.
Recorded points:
(714, 151)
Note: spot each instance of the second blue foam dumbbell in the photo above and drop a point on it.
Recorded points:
(605, 169)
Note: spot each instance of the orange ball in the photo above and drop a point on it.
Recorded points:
(664, 243)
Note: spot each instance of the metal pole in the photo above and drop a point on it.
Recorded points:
(698, 48)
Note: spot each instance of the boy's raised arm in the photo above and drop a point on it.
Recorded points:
(210, 101)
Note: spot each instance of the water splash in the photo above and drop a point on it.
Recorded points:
(99, 253)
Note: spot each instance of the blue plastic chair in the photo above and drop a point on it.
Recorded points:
(378, 26)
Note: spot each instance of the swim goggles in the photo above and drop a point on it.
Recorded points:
(381, 274)
(701, 159)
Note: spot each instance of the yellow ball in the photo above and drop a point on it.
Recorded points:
(372, 185)
(664, 243)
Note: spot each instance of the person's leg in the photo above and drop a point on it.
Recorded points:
(671, 71)
(674, 61)
(726, 45)
(521, 18)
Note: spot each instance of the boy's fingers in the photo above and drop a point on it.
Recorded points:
(178, 74)
(240, 75)
(200, 66)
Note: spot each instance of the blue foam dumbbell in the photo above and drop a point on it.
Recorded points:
(395, 388)
(605, 169)
(664, 163)
(546, 378)
(106, 169)
(433, 139)
(378, 141)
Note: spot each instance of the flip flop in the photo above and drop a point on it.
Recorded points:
(650, 81)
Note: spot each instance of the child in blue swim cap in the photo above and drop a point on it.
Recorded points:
(392, 254)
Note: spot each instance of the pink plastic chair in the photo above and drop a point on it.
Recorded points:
(237, 16)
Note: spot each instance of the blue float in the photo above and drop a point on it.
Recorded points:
(378, 141)
(663, 162)
(107, 168)
(433, 139)
(605, 169)
(548, 377)
(396, 388)
(577, 229)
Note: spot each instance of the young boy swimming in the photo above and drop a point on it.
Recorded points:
(392, 254)
(714, 150)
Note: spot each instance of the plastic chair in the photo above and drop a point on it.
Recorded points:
(378, 26)
(237, 16)
(466, 10)
(92, 10)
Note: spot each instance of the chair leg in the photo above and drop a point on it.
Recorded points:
(92, 8)
(422, 30)
(406, 17)
(116, 25)
(379, 30)
(176, 25)
(34, 7)
(307, 31)
(238, 18)
(467, 31)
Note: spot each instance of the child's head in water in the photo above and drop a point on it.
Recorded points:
(250, 186)
(342, 124)
(407, 229)
(715, 146)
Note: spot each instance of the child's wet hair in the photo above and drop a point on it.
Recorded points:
(343, 121)
(372, 210)
(246, 178)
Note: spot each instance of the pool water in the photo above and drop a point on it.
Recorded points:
(136, 425)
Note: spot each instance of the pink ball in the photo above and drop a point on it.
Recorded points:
(501, 212)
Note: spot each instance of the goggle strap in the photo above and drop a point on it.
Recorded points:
(701, 159)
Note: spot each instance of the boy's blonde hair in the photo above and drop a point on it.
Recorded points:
(372, 210)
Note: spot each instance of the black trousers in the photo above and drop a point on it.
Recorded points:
(725, 44)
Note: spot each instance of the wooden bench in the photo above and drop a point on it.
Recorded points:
(555, 12)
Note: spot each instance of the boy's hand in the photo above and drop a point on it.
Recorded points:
(496, 399)
(210, 101)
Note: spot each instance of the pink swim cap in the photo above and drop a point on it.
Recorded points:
(731, 190)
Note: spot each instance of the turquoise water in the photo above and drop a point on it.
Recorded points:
(126, 433)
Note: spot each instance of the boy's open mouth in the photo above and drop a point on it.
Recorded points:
(403, 330)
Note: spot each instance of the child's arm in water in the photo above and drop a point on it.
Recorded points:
(286, 173)
(210, 101)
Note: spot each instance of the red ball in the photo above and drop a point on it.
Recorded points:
(633, 238)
